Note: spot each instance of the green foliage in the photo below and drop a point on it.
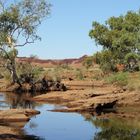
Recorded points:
(132, 62)
(20, 20)
(119, 36)
(130, 56)
(88, 62)
(104, 58)
(27, 68)
(54, 74)
(120, 79)
(116, 129)
(18, 26)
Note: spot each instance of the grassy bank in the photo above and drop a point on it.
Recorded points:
(129, 80)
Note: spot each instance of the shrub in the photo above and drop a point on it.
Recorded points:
(88, 62)
(27, 68)
(80, 75)
(97, 74)
(54, 74)
(132, 60)
(120, 79)
(7, 76)
(106, 61)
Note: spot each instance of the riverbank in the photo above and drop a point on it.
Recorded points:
(83, 97)
(88, 95)
(12, 121)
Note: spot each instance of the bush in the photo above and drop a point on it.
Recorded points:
(88, 62)
(7, 76)
(28, 69)
(106, 61)
(120, 79)
(54, 74)
(97, 74)
(79, 75)
(132, 60)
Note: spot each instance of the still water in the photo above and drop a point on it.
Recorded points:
(70, 126)
(64, 126)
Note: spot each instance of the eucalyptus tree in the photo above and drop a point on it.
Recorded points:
(119, 35)
(19, 22)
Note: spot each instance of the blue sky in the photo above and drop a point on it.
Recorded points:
(65, 33)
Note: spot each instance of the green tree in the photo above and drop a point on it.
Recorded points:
(18, 26)
(120, 35)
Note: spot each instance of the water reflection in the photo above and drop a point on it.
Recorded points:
(115, 128)
(32, 137)
(17, 137)
(57, 125)
(13, 101)
(68, 126)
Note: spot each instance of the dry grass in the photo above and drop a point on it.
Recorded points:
(134, 82)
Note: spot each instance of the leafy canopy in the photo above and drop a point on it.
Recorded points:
(18, 26)
(19, 21)
(120, 35)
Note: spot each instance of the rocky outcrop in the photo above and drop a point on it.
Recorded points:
(16, 115)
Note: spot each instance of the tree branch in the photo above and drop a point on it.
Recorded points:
(5, 52)
(26, 42)
(2, 6)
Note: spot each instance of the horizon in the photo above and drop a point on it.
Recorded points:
(65, 32)
(53, 59)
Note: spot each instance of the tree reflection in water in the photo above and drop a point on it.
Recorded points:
(12, 137)
(32, 137)
(115, 128)
(19, 101)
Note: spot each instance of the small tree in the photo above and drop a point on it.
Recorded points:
(18, 27)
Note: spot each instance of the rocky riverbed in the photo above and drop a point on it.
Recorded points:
(89, 95)
(95, 97)
(12, 121)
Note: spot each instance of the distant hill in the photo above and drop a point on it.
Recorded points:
(74, 62)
